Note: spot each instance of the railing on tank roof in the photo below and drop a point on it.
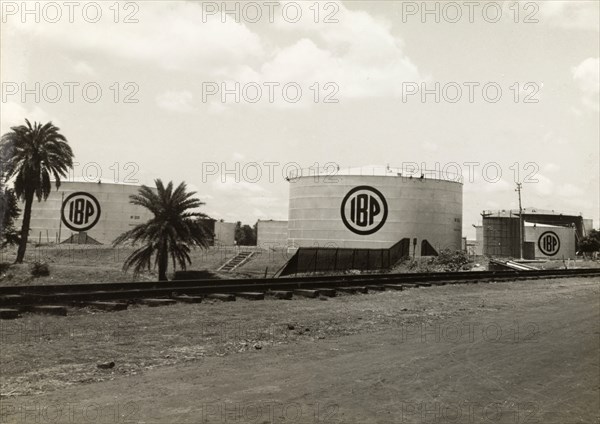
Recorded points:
(406, 171)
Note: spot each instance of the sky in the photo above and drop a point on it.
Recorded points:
(230, 97)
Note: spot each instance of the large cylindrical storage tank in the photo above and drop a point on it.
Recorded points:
(98, 211)
(375, 211)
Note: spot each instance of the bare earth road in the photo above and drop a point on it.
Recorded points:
(524, 352)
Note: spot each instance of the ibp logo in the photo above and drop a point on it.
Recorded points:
(80, 211)
(364, 210)
(549, 243)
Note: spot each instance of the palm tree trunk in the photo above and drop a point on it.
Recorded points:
(163, 263)
(25, 226)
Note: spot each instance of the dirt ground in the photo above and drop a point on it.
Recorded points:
(519, 352)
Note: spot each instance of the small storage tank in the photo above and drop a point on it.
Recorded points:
(271, 234)
(375, 211)
(224, 233)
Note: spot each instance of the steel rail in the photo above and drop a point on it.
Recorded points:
(75, 293)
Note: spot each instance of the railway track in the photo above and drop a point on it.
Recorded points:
(56, 299)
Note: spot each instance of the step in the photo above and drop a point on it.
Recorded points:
(251, 295)
(327, 292)
(9, 313)
(350, 290)
(280, 294)
(187, 299)
(424, 284)
(222, 296)
(360, 289)
(48, 310)
(12, 299)
(410, 286)
(158, 302)
(306, 293)
(108, 306)
(375, 288)
(394, 286)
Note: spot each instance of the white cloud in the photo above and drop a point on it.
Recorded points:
(84, 68)
(569, 190)
(551, 167)
(14, 113)
(241, 188)
(176, 101)
(587, 77)
(583, 15)
(359, 53)
(544, 185)
(170, 34)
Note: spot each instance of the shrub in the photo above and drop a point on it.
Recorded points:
(452, 260)
(40, 269)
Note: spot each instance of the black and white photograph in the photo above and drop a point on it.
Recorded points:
(300, 212)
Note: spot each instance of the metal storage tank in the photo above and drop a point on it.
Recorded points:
(271, 234)
(83, 212)
(501, 234)
(375, 211)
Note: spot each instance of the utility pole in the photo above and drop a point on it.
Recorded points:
(518, 189)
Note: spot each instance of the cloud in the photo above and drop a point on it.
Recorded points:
(551, 167)
(358, 57)
(169, 34)
(359, 53)
(14, 113)
(569, 190)
(582, 15)
(176, 101)
(241, 188)
(84, 68)
(544, 185)
(587, 77)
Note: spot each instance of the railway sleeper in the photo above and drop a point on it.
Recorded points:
(250, 295)
(280, 294)
(9, 313)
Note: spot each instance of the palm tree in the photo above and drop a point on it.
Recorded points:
(31, 154)
(173, 230)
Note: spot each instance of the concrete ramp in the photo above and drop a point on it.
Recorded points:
(496, 265)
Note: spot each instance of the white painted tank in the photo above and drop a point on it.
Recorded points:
(224, 233)
(375, 211)
(551, 242)
(271, 234)
(101, 210)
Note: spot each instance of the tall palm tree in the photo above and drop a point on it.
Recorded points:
(172, 232)
(31, 154)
